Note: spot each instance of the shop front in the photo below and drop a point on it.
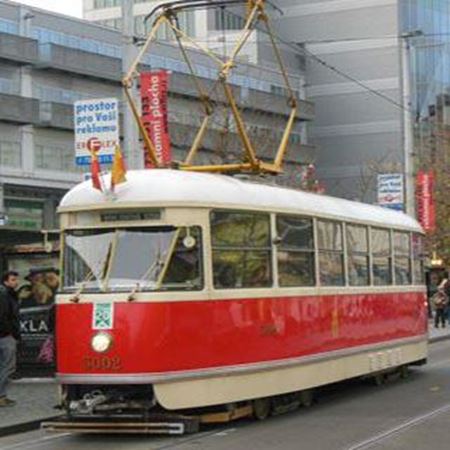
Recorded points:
(27, 248)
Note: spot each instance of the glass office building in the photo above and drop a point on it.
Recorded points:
(426, 26)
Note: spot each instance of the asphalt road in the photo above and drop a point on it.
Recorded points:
(409, 414)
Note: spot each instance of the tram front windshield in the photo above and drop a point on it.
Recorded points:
(123, 259)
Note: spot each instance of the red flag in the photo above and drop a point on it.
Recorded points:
(95, 172)
(119, 170)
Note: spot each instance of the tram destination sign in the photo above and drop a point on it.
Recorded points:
(131, 216)
(96, 130)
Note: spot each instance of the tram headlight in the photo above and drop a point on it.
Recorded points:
(101, 342)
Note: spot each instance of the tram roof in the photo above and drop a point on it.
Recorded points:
(179, 188)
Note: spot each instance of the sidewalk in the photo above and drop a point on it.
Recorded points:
(35, 401)
(437, 334)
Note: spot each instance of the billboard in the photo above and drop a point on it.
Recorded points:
(96, 129)
(391, 191)
(154, 94)
(426, 207)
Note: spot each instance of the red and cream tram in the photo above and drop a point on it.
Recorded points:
(187, 290)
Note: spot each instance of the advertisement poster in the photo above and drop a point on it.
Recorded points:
(39, 282)
(426, 209)
(154, 96)
(391, 191)
(96, 130)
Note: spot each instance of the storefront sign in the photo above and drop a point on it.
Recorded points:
(426, 208)
(154, 88)
(24, 214)
(391, 191)
(96, 130)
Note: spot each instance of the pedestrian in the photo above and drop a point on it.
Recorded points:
(446, 288)
(9, 331)
(440, 302)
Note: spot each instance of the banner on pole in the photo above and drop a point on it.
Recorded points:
(154, 93)
(426, 207)
(391, 191)
(96, 130)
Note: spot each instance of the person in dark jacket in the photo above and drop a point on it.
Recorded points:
(9, 332)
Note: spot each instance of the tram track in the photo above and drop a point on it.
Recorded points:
(42, 441)
(385, 435)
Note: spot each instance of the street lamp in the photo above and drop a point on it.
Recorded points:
(408, 121)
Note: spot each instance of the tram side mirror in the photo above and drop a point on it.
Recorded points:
(189, 242)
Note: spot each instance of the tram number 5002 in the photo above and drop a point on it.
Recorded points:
(102, 363)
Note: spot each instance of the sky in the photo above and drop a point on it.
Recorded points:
(69, 7)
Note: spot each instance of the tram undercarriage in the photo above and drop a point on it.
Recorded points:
(134, 409)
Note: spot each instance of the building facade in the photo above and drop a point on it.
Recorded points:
(357, 132)
(373, 69)
(48, 61)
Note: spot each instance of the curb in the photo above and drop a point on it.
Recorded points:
(439, 338)
(25, 426)
(50, 380)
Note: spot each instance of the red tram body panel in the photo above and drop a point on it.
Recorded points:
(166, 338)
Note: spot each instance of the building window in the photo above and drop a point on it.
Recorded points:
(357, 255)
(112, 23)
(10, 154)
(226, 20)
(402, 258)
(55, 158)
(331, 253)
(381, 257)
(241, 250)
(100, 4)
(295, 251)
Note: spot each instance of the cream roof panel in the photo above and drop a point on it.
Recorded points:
(173, 187)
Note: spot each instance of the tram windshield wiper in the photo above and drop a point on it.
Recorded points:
(160, 264)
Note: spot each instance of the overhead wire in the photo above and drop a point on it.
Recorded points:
(302, 51)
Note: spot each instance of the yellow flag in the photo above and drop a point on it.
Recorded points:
(119, 171)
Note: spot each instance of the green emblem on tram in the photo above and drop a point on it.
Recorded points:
(103, 316)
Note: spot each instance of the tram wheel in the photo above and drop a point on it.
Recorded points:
(379, 379)
(404, 372)
(307, 397)
(262, 408)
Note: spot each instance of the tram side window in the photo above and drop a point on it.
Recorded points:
(402, 258)
(295, 252)
(418, 258)
(331, 253)
(381, 257)
(357, 255)
(185, 267)
(241, 250)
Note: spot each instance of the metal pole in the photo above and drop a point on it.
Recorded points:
(408, 128)
(132, 147)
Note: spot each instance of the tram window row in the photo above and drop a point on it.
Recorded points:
(247, 246)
